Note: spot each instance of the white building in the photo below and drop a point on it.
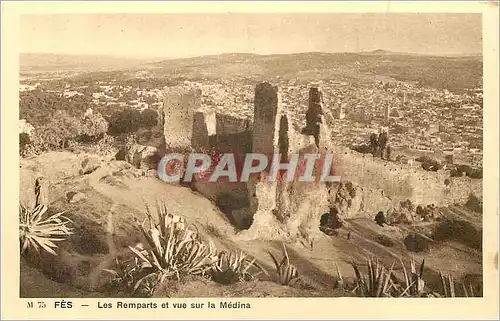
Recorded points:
(25, 127)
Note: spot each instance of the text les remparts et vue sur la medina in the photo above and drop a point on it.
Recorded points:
(176, 305)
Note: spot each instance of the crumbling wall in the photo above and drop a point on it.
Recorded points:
(400, 182)
(179, 105)
(267, 111)
(283, 209)
(316, 125)
(204, 130)
(262, 194)
(262, 209)
(234, 134)
(229, 124)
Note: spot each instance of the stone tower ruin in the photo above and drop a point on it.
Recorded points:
(267, 111)
(179, 105)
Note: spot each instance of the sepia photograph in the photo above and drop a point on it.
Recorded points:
(396, 99)
(239, 155)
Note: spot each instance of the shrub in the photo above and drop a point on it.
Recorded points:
(38, 106)
(124, 121)
(460, 170)
(363, 149)
(234, 267)
(388, 153)
(474, 203)
(38, 232)
(377, 281)
(122, 276)
(384, 240)
(414, 282)
(60, 132)
(287, 273)
(149, 118)
(476, 173)
(462, 231)
(449, 289)
(380, 219)
(448, 285)
(24, 140)
(94, 127)
(429, 163)
(416, 243)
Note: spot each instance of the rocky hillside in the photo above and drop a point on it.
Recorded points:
(103, 197)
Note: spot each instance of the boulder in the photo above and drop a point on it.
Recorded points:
(140, 156)
(384, 240)
(404, 212)
(331, 219)
(380, 219)
(151, 173)
(74, 197)
(416, 243)
(464, 231)
(475, 203)
(349, 200)
(34, 189)
(89, 165)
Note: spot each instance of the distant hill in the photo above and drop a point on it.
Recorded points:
(453, 73)
(35, 62)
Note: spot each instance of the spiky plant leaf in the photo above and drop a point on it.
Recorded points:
(39, 232)
(287, 273)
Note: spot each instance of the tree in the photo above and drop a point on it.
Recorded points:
(149, 118)
(94, 126)
(383, 139)
(374, 143)
(388, 152)
(58, 133)
(125, 121)
(24, 140)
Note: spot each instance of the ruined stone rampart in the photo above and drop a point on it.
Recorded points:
(228, 124)
(233, 134)
(204, 130)
(179, 105)
(400, 182)
(369, 184)
(267, 116)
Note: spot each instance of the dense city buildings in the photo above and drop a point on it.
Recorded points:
(418, 119)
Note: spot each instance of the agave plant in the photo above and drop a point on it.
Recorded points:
(377, 283)
(468, 292)
(414, 281)
(339, 282)
(234, 267)
(448, 285)
(123, 275)
(39, 231)
(173, 249)
(287, 273)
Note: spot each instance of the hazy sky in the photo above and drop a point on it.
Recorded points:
(181, 35)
